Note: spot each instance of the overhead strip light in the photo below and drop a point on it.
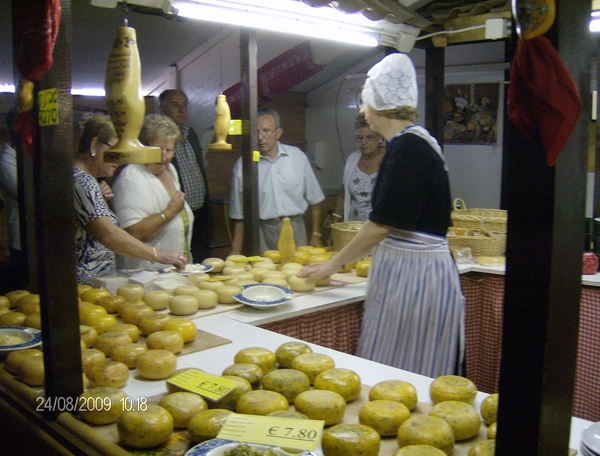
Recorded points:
(289, 16)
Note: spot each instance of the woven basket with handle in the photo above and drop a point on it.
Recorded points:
(343, 232)
(491, 219)
(481, 241)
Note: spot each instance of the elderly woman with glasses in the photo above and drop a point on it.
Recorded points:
(360, 174)
(148, 198)
(98, 236)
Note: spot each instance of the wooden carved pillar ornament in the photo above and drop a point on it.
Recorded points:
(222, 122)
(125, 102)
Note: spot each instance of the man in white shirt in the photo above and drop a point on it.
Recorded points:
(287, 186)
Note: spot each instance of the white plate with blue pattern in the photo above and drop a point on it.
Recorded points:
(218, 447)
(264, 296)
(31, 338)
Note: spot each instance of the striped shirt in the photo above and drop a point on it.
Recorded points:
(189, 171)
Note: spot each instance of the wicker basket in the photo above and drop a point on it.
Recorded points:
(343, 232)
(490, 219)
(480, 241)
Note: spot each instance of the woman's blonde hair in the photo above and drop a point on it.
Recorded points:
(95, 125)
(400, 113)
(159, 126)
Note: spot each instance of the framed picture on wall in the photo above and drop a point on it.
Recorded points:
(471, 114)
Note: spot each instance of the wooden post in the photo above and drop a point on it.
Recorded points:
(434, 92)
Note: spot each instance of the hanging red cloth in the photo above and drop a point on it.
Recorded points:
(36, 27)
(542, 96)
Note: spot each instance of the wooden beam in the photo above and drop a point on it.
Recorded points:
(543, 267)
(434, 92)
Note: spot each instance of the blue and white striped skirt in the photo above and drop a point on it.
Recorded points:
(414, 308)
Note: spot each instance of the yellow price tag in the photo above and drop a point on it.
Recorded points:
(255, 258)
(256, 155)
(48, 112)
(267, 430)
(218, 278)
(235, 127)
(210, 386)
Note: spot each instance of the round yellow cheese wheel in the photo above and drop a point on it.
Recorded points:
(131, 292)
(14, 296)
(132, 330)
(288, 414)
(31, 371)
(301, 284)
(347, 439)
(300, 257)
(452, 388)
(265, 264)
(262, 357)
(489, 409)
(395, 390)
(183, 305)
(183, 326)
(272, 255)
(156, 364)
(89, 336)
(131, 313)
(34, 321)
(231, 281)
(195, 279)
(249, 371)
(4, 302)
(207, 424)
(288, 382)
(229, 401)
(157, 299)
(483, 448)
(273, 275)
(14, 359)
(101, 405)
(345, 382)
(128, 353)
(107, 341)
(241, 260)
(149, 324)
(419, 450)
(427, 430)
(321, 405)
(147, 427)
(185, 290)
(87, 311)
(462, 418)
(243, 276)
(83, 287)
(111, 303)
(226, 294)
(165, 340)
(12, 318)
(258, 273)
(491, 432)
(28, 299)
(29, 308)
(183, 406)
(233, 269)
(261, 402)
(286, 352)
(102, 323)
(110, 373)
(384, 416)
(312, 364)
(207, 299)
(91, 357)
(216, 263)
(277, 281)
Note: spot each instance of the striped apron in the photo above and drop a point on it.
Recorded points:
(414, 308)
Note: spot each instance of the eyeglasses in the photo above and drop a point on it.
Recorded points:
(369, 138)
(267, 132)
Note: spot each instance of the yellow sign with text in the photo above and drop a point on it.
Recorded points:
(48, 103)
(209, 386)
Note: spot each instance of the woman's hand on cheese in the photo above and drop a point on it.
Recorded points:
(171, 257)
(318, 270)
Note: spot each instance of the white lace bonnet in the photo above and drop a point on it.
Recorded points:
(391, 83)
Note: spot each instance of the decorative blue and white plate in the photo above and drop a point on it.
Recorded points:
(31, 338)
(264, 296)
(218, 447)
(196, 268)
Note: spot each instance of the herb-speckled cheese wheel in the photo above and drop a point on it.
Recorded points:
(345, 382)
(288, 382)
(395, 390)
(91, 357)
(207, 424)
(261, 402)
(384, 416)
(249, 371)
(462, 418)
(321, 405)
(113, 374)
(262, 357)
(145, 428)
(312, 364)
(288, 414)
(491, 432)
(101, 405)
(427, 430)
(165, 340)
(285, 353)
(483, 448)
(229, 401)
(15, 358)
(452, 388)
(149, 324)
(350, 439)
(128, 353)
(183, 406)
(31, 371)
(128, 328)
(156, 364)
(489, 409)
(419, 450)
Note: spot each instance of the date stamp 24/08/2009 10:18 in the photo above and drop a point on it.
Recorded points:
(58, 404)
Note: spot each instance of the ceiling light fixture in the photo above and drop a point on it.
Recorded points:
(290, 16)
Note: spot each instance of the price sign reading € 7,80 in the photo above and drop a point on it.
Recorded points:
(209, 386)
(293, 433)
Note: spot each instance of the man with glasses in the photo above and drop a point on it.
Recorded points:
(189, 163)
(287, 186)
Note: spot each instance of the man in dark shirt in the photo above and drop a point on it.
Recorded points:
(189, 163)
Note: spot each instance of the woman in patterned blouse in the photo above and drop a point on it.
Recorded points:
(98, 236)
